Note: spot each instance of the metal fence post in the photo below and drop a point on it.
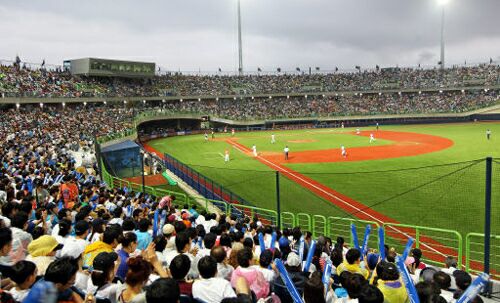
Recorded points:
(487, 217)
(278, 202)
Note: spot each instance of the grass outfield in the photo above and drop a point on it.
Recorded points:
(446, 196)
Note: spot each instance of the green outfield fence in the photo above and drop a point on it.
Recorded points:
(421, 191)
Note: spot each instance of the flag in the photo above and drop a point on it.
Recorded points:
(279, 69)
(259, 69)
(317, 68)
(297, 69)
(18, 60)
(220, 69)
(336, 69)
(43, 62)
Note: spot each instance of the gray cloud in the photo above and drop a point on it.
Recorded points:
(201, 34)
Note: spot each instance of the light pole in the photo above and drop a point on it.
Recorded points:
(442, 3)
(240, 47)
(142, 172)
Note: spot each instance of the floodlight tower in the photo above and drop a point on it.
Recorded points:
(442, 3)
(240, 47)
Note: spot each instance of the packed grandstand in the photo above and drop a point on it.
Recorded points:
(60, 223)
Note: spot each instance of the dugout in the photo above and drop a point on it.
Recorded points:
(123, 159)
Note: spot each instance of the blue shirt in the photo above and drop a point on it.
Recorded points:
(123, 267)
(143, 239)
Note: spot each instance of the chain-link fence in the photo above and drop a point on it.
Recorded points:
(441, 206)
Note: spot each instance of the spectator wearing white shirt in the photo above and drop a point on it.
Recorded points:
(210, 289)
(266, 258)
(20, 238)
(224, 270)
(74, 246)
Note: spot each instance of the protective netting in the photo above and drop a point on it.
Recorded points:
(442, 206)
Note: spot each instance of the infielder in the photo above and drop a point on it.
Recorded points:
(286, 150)
(254, 149)
(372, 138)
(343, 151)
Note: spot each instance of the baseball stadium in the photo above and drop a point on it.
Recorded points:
(126, 181)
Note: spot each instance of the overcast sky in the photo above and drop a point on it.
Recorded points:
(202, 34)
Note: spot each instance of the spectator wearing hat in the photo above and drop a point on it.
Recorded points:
(209, 288)
(390, 284)
(169, 234)
(110, 240)
(42, 252)
(103, 272)
(293, 267)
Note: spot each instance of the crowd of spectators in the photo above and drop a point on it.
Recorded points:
(67, 237)
(341, 105)
(18, 81)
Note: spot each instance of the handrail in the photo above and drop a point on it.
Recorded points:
(420, 229)
(469, 251)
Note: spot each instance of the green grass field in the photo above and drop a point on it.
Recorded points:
(436, 193)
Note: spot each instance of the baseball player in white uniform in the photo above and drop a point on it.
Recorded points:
(372, 138)
(343, 151)
(273, 139)
(254, 149)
